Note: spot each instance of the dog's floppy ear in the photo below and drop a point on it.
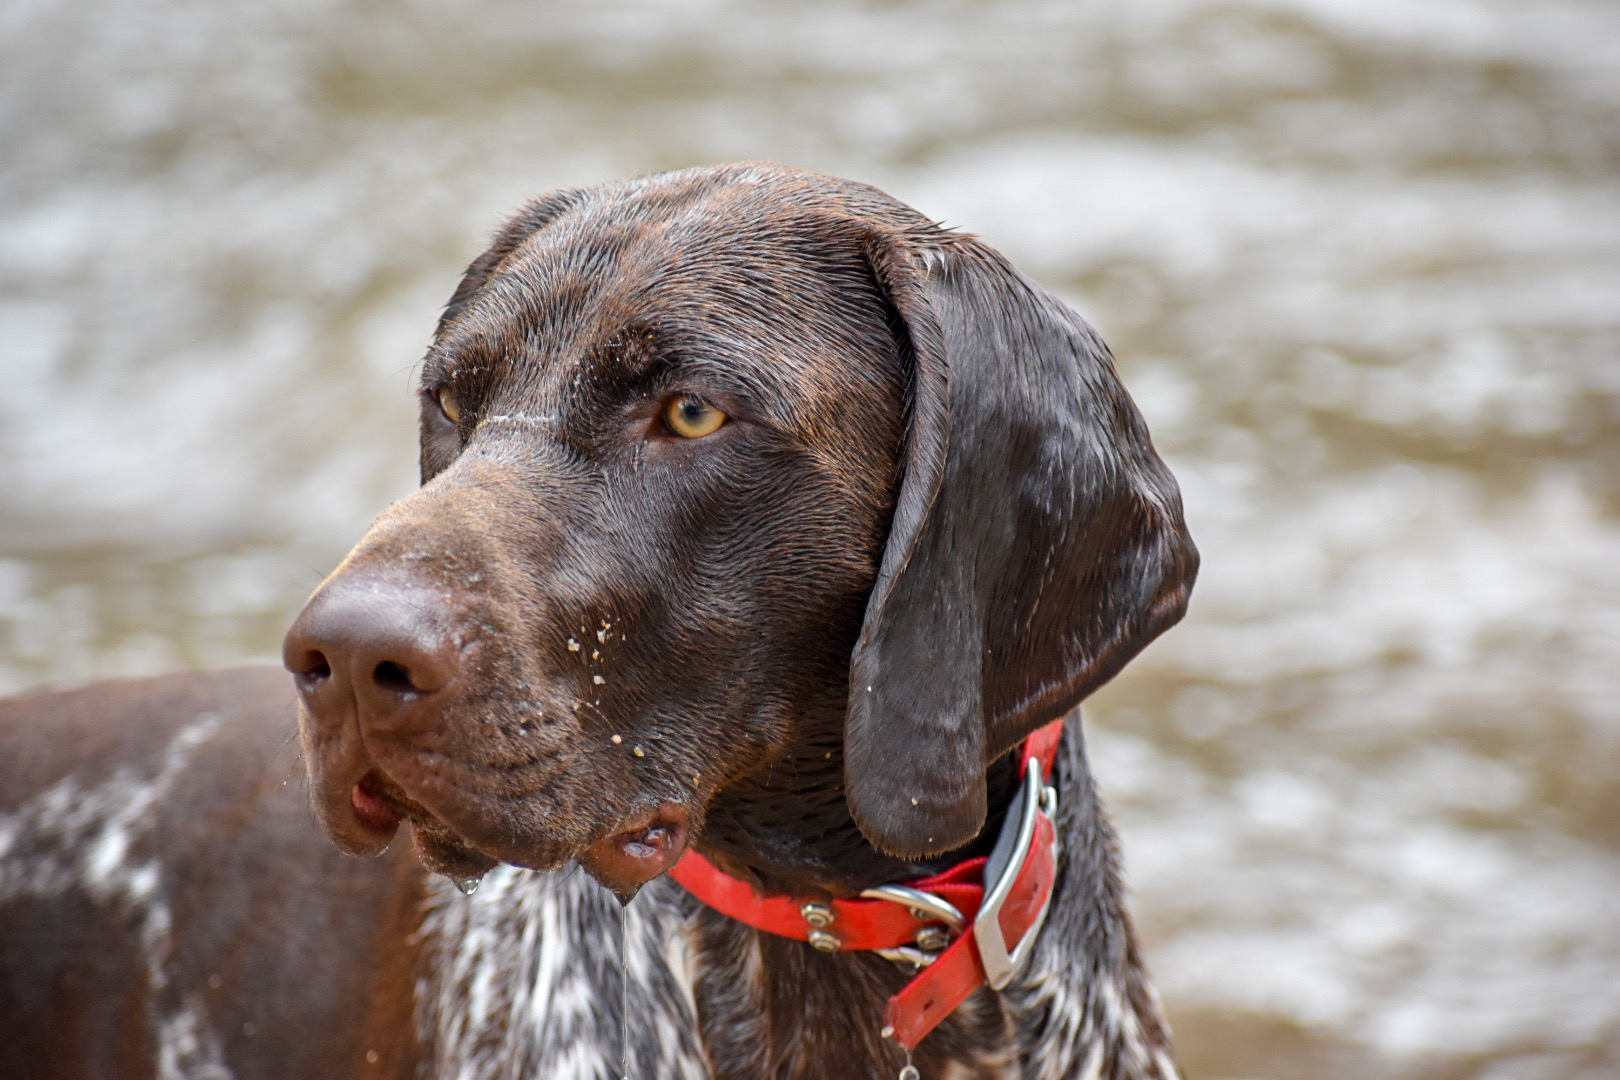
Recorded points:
(1037, 542)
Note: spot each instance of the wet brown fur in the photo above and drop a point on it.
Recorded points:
(274, 933)
(929, 467)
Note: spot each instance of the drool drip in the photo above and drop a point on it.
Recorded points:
(624, 991)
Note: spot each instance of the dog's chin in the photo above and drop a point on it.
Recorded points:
(442, 853)
(621, 862)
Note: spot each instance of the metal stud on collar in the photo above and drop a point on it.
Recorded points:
(822, 941)
(819, 916)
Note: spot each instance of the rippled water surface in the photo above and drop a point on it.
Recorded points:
(1359, 260)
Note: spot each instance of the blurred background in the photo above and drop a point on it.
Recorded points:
(1359, 261)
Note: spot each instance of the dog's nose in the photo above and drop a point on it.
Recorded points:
(374, 645)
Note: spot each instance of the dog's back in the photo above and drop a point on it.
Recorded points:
(167, 904)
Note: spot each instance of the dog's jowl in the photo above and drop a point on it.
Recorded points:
(767, 534)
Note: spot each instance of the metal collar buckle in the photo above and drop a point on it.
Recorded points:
(932, 938)
(1007, 859)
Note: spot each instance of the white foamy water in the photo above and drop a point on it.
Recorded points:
(1359, 261)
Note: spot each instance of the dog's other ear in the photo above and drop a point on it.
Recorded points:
(535, 215)
(1037, 542)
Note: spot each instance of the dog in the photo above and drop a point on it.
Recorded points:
(762, 522)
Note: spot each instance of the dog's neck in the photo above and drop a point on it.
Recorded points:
(738, 1003)
(787, 828)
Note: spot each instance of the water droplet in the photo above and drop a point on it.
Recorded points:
(468, 886)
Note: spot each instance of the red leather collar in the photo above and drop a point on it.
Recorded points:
(988, 945)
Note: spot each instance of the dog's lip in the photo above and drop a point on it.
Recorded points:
(373, 808)
(648, 846)
(381, 803)
(350, 812)
(461, 838)
(459, 831)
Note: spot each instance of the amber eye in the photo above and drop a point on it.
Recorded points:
(692, 417)
(447, 401)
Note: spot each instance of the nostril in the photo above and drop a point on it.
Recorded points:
(311, 669)
(371, 649)
(393, 677)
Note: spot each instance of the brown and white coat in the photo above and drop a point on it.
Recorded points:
(759, 515)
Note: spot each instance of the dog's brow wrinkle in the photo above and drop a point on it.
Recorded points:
(549, 420)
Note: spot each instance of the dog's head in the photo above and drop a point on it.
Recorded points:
(701, 454)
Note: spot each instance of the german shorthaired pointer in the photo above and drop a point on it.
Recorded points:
(762, 522)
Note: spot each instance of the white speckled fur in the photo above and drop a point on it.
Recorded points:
(79, 837)
(188, 1049)
(527, 982)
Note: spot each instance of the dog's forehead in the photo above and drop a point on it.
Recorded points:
(759, 281)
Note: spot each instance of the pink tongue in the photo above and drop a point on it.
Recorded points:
(373, 813)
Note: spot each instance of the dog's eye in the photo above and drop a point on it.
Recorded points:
(692, 417)
(448, 403)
